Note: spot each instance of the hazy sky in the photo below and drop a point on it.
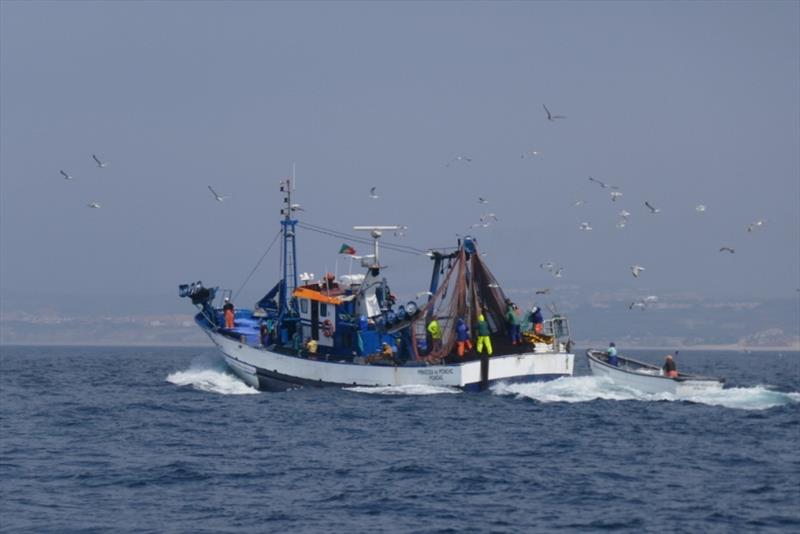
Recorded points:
(678, 103)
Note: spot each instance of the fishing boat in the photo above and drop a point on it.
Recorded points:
(648, 378)
(351, 330)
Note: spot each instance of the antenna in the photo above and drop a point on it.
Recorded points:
(376, 232)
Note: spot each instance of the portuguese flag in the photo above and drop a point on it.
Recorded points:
(347, 249)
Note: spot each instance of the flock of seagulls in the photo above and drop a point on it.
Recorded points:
(101, 165)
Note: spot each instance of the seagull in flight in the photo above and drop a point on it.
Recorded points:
(615, 195)
(652, 208)
(494, 285)
(758, 224)
(547, 266)
(624, 214)
(219, 197)
(489, 215)
(585, 226)
(643, 303)
(530, 154)
(636, 269)
(578, 203)
(482, 200)
(93, 205)
(372, 193)
(551, 116)
(602, 184)
(66, 175)
(458, 158)
(622, 223)
(544, 291)
(727, 249)
(100, 164)
(700, 208)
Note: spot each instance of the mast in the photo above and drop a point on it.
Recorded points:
(288, 252)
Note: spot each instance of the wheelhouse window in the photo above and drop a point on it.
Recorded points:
(323, 309)
(304, 306)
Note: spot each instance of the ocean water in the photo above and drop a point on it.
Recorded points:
(165, 440)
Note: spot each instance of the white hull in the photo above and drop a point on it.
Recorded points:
(647, 379)
(261, 368)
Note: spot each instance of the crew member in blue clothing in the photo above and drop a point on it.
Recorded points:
(612, 354)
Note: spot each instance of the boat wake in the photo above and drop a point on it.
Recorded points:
(404, 390)
(589, 388)
(210, 375)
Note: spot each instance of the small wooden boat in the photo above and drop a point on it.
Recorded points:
(649, 378)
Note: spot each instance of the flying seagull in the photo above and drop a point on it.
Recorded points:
(758, 224)
(700, 208)
(578, 203)
(550, 116)
(489, 215)
(624, 214)
(530, 153)
(544, 291)
(615, 195)
(494, 285)
(651, 207)
(643, 303)
(636, 269)
(547, 266)
(101, 164)
(585, 226)
(727, 249)
(372, 193)
(602, 184)
(66, 175)
(622, 223)
(93, 205)
(219, 197)
(482, 200)
(458, 158)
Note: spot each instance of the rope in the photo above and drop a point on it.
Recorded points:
(358, 239)
(257, 265)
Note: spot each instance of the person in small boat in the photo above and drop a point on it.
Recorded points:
(462, 337)
(670, 369)
(512, 317)
(536, 319)
(483, 336)
(228, 311)
(436, 335)
(612, 354)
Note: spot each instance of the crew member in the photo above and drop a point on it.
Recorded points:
(436, 335)
(670, 369)
(537, 319)
(227, 309)
(483, 335)
(311, 347)
(512, 317)
(612, 354)
(462, 337)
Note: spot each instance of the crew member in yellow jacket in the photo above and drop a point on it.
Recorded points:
(483, 335)
(436, 335)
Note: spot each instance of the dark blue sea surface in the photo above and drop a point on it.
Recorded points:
(164, 440)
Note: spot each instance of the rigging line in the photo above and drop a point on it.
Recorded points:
(257, 265)
(310, 226)
(341, 235)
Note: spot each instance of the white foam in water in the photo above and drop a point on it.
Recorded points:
(404, 390)
(589, 388)
(210, 375)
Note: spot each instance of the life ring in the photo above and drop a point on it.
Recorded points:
(327, 328)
